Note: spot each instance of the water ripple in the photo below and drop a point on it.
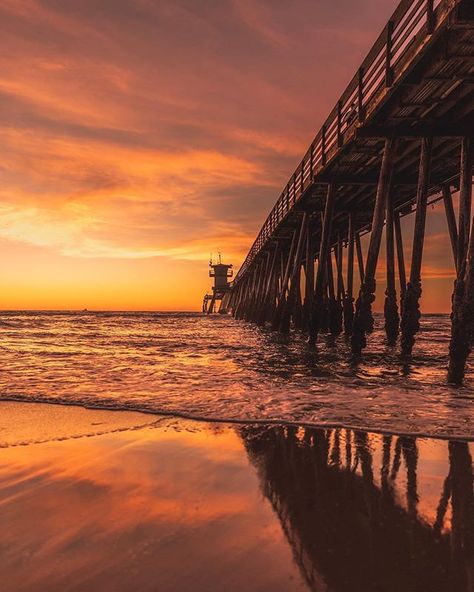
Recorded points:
(219, 368)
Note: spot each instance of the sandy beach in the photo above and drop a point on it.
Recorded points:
(149, 504)
(99, 500)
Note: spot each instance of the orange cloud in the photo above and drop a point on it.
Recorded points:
(158, 132)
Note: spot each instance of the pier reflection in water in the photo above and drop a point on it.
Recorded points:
(358, 515)
(107, 502)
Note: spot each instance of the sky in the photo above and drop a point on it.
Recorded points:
(139, 136)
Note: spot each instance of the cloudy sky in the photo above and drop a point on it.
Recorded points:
(138, 136)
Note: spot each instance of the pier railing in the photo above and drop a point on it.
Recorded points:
(405, 34)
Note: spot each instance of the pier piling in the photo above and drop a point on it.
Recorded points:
(389, 148)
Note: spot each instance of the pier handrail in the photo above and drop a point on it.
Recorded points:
(412, 23)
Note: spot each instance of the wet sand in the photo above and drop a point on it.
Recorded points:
(99, 501)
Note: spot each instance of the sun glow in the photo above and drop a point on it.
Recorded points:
(121, 170)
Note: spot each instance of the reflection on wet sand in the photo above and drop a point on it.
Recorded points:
(171, 508)
(351, 507)
(178, 506)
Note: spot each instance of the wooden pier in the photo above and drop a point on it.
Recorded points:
(400, 138)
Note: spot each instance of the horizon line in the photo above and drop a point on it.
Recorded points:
(151, 310)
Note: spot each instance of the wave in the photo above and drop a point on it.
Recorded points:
(218, 369)
(225, 419)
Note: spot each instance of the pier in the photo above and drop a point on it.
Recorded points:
(401, 137)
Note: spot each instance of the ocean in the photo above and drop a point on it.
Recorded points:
(218, 369)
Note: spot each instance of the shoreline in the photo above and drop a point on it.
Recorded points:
(163, 415)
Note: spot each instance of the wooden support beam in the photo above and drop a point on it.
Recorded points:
(295, 278)
(309, 275)
(392, 319)
(322, 259)
(242, 290)
(282, 272)
(410, 323)
(253, 289)
(324, 307)
(284, 283)
(363, 319)
(400, 256)
(235, 293)
(270, 307)
(360, 257)
(275, 290)
(224, 303)
(251, 295)
(333, 304)
(210, 310)
(330, 277)
(462, 316)
(262, 314)
(451, 221)
(245, 295)
(232, 302)
(257, 303)
(241, 297)
(349, 298)
(233, 298)
(412, 131)
(339, 261)
(337, 310)
(465, 192)
(296, 306)
(229, 300)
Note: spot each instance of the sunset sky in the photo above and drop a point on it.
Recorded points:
(138, 136)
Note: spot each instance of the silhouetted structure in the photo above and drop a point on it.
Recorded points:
(221, 273)
(350, 530)
(399, 138)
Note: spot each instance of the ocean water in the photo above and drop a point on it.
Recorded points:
(217, 368)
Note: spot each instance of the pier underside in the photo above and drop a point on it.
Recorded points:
(400, 138)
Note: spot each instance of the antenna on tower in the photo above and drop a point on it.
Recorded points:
(219, 255)
(210, 259)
